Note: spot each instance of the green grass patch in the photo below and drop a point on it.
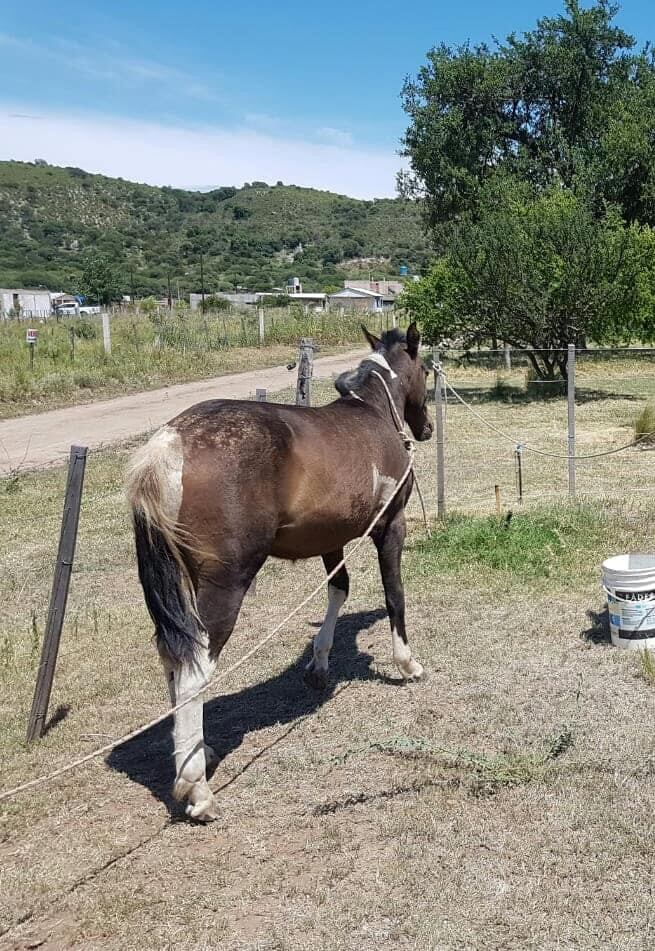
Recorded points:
(525, 546)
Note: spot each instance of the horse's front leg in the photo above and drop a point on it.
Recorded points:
(389, 542)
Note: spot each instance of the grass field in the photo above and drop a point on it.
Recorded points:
(507, 802)
(70, 365)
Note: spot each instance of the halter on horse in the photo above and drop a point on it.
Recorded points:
(228, 483)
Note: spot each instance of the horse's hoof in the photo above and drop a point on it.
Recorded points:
(316, 679)
(413, 672)
(205, 811)
(419, 678)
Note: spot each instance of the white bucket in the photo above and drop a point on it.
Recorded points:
(629, 583)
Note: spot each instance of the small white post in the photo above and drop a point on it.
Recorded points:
(508, 357)
(260, 314)
(106, 332)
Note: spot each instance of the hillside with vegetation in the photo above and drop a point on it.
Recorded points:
(52, 220)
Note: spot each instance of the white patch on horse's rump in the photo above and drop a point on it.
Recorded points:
(162, 455)
(383, 486)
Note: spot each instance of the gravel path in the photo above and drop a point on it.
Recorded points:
(44, 439)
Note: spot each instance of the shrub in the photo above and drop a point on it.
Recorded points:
(645, 425)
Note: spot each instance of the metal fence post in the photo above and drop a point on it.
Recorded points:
(438, 406)
(570, 390)
(305, 370)
(59, 593)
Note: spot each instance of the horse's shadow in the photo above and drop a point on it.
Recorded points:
(284, 698)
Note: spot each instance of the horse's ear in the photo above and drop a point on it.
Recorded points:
(372, 339)
(413, 340)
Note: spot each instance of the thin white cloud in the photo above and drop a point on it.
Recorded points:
(193, 158)
(108, 65)
(334, 136)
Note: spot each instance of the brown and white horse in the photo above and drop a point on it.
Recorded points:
(228, 483)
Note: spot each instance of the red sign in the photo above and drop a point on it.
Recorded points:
(31, 336)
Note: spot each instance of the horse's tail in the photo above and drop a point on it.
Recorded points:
(154, 491)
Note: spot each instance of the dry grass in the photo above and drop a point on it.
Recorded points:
(505, 803)
(147, 353)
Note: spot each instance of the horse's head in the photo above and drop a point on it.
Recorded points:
(401, 353)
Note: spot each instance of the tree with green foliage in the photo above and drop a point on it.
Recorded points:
(99, 280)
(539, 272)
(535, 161)
(536, 107)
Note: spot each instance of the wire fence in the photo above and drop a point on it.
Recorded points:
(501, 430)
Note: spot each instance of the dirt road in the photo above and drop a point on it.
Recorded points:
(31, 442)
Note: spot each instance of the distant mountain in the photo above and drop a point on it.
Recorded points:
(256, 236)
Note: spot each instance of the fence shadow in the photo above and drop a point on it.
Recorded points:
(148, 759)
(599, 630)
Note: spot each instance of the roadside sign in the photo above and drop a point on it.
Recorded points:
(31, 336)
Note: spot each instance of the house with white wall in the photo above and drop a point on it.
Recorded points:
(24, 302)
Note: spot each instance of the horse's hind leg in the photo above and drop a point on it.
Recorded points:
(219, 601)
(389, 543)
(316, 673)
(184, 680)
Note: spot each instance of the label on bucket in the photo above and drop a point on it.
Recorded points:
(633, 615)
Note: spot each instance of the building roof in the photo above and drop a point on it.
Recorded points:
(24, 290)
(355, 292)
(385, 287)
(307, 295)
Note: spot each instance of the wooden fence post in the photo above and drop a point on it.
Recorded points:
(305, 370)
(438, 406)
(59, 593)
(106, 333)
(508, 357)
(570, 390)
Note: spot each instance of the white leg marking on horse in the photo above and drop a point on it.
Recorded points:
(325, 637)
(383, 486)
(190, 751)
(402, 658)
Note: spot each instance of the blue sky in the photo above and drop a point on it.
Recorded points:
(201, 94)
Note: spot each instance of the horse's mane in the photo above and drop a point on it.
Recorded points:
(351, 380)
(391, 337)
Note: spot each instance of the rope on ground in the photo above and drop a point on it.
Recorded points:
(541, 452)
(101, 751)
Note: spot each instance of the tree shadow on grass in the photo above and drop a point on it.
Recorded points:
(599, 630)
(284, 698)
(507, 395)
